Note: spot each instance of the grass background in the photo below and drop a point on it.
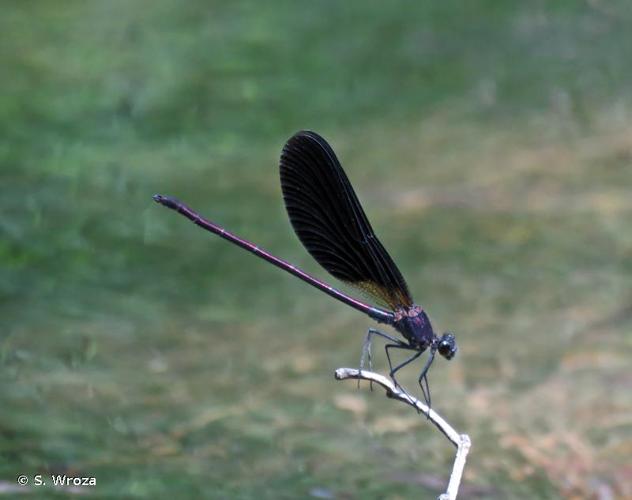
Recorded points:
(491, 144)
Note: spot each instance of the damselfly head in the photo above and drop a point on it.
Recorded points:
(447, 345)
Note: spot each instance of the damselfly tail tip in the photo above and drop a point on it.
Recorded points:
(166, 201)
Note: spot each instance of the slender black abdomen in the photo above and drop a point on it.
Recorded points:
(378, 314)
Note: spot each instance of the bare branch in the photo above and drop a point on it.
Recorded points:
(461, 441)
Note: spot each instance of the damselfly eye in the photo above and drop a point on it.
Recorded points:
(447, 346)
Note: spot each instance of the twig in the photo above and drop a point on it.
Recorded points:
(461, 441)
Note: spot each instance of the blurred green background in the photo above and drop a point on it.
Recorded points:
(491, 144)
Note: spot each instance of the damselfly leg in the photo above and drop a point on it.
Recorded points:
(401, 365)
(366, 349)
